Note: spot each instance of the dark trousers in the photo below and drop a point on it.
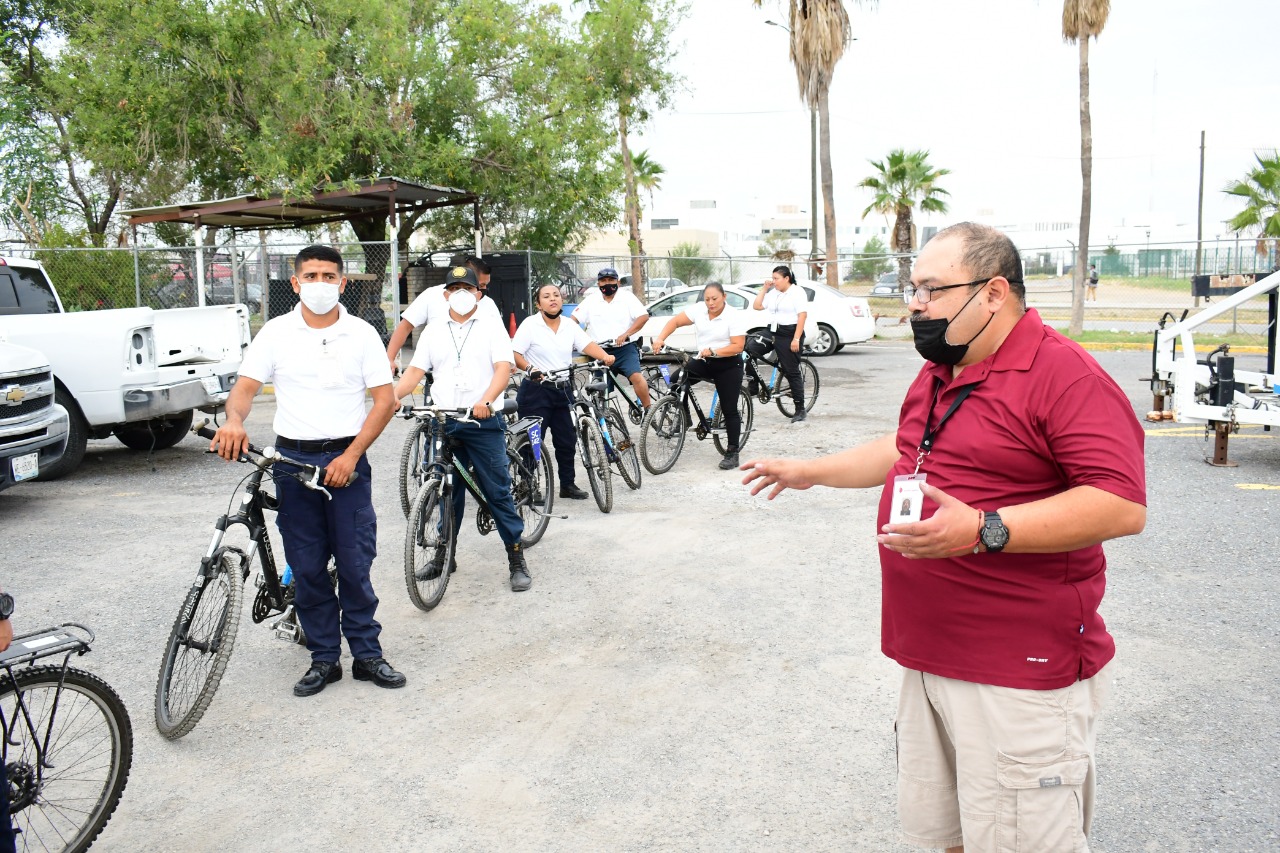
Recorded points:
(314, 529)
(726, 374)
(536, 399)
(789, 362)
(483, 445)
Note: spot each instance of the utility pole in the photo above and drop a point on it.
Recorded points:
(1200, 214)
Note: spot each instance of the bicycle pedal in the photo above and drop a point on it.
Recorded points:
(287, 628)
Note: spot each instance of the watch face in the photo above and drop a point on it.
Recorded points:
(994, 534)
(6, 605)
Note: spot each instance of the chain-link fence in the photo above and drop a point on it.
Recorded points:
(1137, 284)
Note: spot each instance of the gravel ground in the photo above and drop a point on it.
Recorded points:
(698, 670)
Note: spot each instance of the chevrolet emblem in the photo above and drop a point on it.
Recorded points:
(15, 394)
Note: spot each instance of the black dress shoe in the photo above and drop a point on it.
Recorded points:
(322, 673)
(435, 567)
(574, 493)
(378, 671)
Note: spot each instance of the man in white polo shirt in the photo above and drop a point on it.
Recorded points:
(430, 305)
(612, 318)
(470, 358)
(322, 361)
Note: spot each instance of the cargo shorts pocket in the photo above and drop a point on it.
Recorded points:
(1040, 807)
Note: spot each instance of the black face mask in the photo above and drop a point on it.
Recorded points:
(931, 338)
(608, 289)
(551, 316)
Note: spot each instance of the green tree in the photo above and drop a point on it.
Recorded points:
(648, 173)
(1260, 191)
(776, 245)
(903, 181)
(689, 265)
(873, 260)
(1082, 20)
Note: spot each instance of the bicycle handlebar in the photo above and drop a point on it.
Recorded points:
(500, 407)
(315, 474)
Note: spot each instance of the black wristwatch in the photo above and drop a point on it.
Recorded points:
(994, 534)
(6, 605)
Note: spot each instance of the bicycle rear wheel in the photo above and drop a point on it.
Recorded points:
(532, 486)
(626, 457)
(412, 472)
(596, 463)
(809, 375)
(662, 435)
(430, 530)
(64, 789)
(198, 649)
(746, 414)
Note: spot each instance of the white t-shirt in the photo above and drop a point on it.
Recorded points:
(782, 309)
(715, 334)
(461, 357)
(431, 304)
(605, 321)
(320, 375)
(545, 349)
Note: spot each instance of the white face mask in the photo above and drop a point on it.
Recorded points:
(463, 302)
(319, 296)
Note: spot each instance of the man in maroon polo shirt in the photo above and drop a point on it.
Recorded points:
(1031, 458)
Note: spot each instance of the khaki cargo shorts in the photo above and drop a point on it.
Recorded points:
(997, 769)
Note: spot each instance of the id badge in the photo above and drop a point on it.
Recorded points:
(908, 498)
(330, 371)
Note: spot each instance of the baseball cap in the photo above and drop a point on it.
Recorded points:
(461, 275)
(607, 272)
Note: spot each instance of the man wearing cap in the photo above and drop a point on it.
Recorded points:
(611, 318)
(1026, 457)
(470, 359)
(430, 305)
(321, 361)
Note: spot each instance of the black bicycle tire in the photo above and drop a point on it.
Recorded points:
(596, 463)
(524, 483)
(663, 413)
(627, 457)
(746, 414)
(811, 382)
(410, 460)
(431, 499)
(69, 721)
(228, 568)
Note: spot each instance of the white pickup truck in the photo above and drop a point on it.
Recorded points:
(33, 428)
(136, 373)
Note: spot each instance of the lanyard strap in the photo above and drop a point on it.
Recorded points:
(457, 348)
(931, 432)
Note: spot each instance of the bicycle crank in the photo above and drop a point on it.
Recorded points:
(484, 521)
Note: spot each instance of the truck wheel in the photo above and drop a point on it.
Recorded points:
(77, 439)
(157, 434)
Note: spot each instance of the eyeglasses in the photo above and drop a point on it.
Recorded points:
(923, 293)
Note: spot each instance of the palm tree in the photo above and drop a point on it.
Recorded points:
(820, 31)
(1261, 193)
(648, 173)
(902, 181)
(1080, 20)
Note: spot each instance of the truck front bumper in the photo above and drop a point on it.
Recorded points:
(207, 393)
(45, 436)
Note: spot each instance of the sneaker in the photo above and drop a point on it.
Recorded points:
(800, 415)
(573, 492)
(520, 577)
(321, 674)
(378, 671)
(729, 461)
(435, 568)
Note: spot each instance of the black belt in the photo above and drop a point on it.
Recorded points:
(326, 445)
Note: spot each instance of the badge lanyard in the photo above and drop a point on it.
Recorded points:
(457, 348)
(931, 432)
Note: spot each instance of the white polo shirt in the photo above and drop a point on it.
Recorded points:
(320, 375)
(783, 309)
(605, 321)
(461, 357)
(546, 349)
(715, 334)
(431, 304)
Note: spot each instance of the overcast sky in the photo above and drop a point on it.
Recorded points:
(989, 88)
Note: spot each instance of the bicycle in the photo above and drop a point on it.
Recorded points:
(431, 523)
(590, 437)
(68, 741)
(663, 432)
(204, 633)
(655, 375)
(778, 388)
(597, 402)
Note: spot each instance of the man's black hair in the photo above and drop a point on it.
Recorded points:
(318, 253)
(478, 266)
(989, 253)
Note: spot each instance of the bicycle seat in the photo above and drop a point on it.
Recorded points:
(596, 387)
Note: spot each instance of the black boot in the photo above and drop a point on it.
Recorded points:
(520, 578)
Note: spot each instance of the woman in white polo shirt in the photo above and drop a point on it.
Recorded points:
(544, 342)
(787, 306)
(721, 335)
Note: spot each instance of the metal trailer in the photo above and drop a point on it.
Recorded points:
(1211, 391)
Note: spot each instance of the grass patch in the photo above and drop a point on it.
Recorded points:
(1144, 340)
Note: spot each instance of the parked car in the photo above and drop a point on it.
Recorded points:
(887, 285)
(33, 428)
(834, 320)
(654, 288)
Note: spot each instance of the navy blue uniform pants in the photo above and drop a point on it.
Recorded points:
(535, 399)
(483, 445)
(314, 529)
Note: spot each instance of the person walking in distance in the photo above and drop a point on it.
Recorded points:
(787, 306)
(546, 342)
(1091, 293)
(470, 358)
(612, 318)
(1017, 456)
(322, 362)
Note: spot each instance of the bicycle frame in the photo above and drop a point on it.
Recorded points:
(250, 515)
(40, 644)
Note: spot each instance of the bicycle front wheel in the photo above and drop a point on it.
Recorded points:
(746, 415)
(808, 375)
(662, 435)
(626, 456)
(68, 767)
(199, 648)
(532, 486)
(412, 472)
(596, 463)
(429, 535)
